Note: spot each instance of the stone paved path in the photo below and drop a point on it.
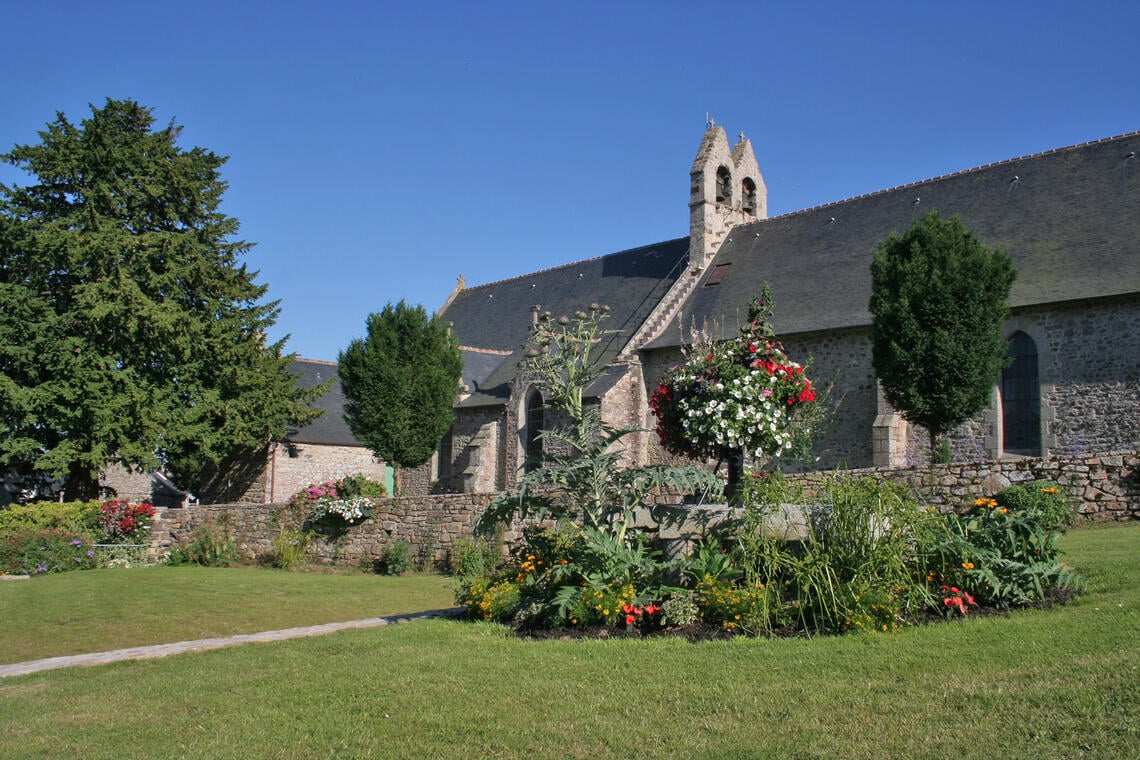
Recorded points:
(201, 645)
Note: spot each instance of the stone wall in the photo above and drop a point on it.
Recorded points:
(429, 525)
(1089, 375)
(840, 360)
(265, 476)
(1106, 487)
(295, 466)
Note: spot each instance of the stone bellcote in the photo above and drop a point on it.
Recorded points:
(727, 190)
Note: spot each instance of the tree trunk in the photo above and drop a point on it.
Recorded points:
(734, 489)
(81, 484)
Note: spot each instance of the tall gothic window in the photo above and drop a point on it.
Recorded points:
(1021, 398)
(532, 431)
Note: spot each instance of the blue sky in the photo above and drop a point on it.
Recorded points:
(379, 150)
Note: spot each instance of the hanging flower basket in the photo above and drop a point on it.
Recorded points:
(735, 396)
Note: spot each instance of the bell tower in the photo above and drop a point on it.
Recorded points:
(727, 189)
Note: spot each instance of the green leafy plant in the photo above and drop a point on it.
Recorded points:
(209, 546)
(469, 557)
(857, 559)
(710, 559)
(125, 523)
(360, 485)
(1004, 549)
(938, 299)
(680, 609)
(581, 476)
(290, 548)
(80, 516)
(39, 551)
(395, 559)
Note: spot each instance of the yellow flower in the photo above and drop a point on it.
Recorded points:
(1049, 490)
(1002, 511)
(968, 565)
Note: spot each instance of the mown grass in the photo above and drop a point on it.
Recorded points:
(97, 610)
(1063, 682)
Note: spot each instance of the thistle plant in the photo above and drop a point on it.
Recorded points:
(581, 476)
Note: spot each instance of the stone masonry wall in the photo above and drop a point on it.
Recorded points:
(1106, 487)
(429, 525)
(840, 359)
(295, 466)
(1089, 374)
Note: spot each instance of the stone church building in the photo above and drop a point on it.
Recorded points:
(1069, 218)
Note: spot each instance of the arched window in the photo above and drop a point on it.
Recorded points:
(1021, 398)
(532, 432)
(723, 185)
(748, 198)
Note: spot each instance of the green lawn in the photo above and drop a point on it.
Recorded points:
(97, 610)
(1059, 683)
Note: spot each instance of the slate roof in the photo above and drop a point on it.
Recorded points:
(1069, 218)
(494, 319)
(329, 429)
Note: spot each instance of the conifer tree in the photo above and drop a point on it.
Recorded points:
(129, 330)
(400, 384)
(938, 299)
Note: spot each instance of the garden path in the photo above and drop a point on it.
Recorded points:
(201, 645)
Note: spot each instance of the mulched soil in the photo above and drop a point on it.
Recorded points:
(698, 632)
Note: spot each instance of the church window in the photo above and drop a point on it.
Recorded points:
(748, 199)
(532, 432)
(723, 185)
(1021, 398)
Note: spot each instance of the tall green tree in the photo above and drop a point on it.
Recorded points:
(400, 383)
(938, 299)
(129, 331)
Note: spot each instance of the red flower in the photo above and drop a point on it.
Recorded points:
(652, 609)
(630, 619)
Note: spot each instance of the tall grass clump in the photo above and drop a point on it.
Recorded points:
(846, 560)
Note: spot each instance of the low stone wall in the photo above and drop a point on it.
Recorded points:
(1105, 487)
(429, 525)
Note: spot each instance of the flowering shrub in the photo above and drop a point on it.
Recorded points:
(869, 609)
(125, 523)
(316, 491)
(956, 599)
(735, 607)
(489, 599)
(346, 511)
(347, 487)
(737, 395)
(38, 551)
(82, 516)
(1004, 550)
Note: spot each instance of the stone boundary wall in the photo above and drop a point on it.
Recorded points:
(1106, 488)
(430, 525)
